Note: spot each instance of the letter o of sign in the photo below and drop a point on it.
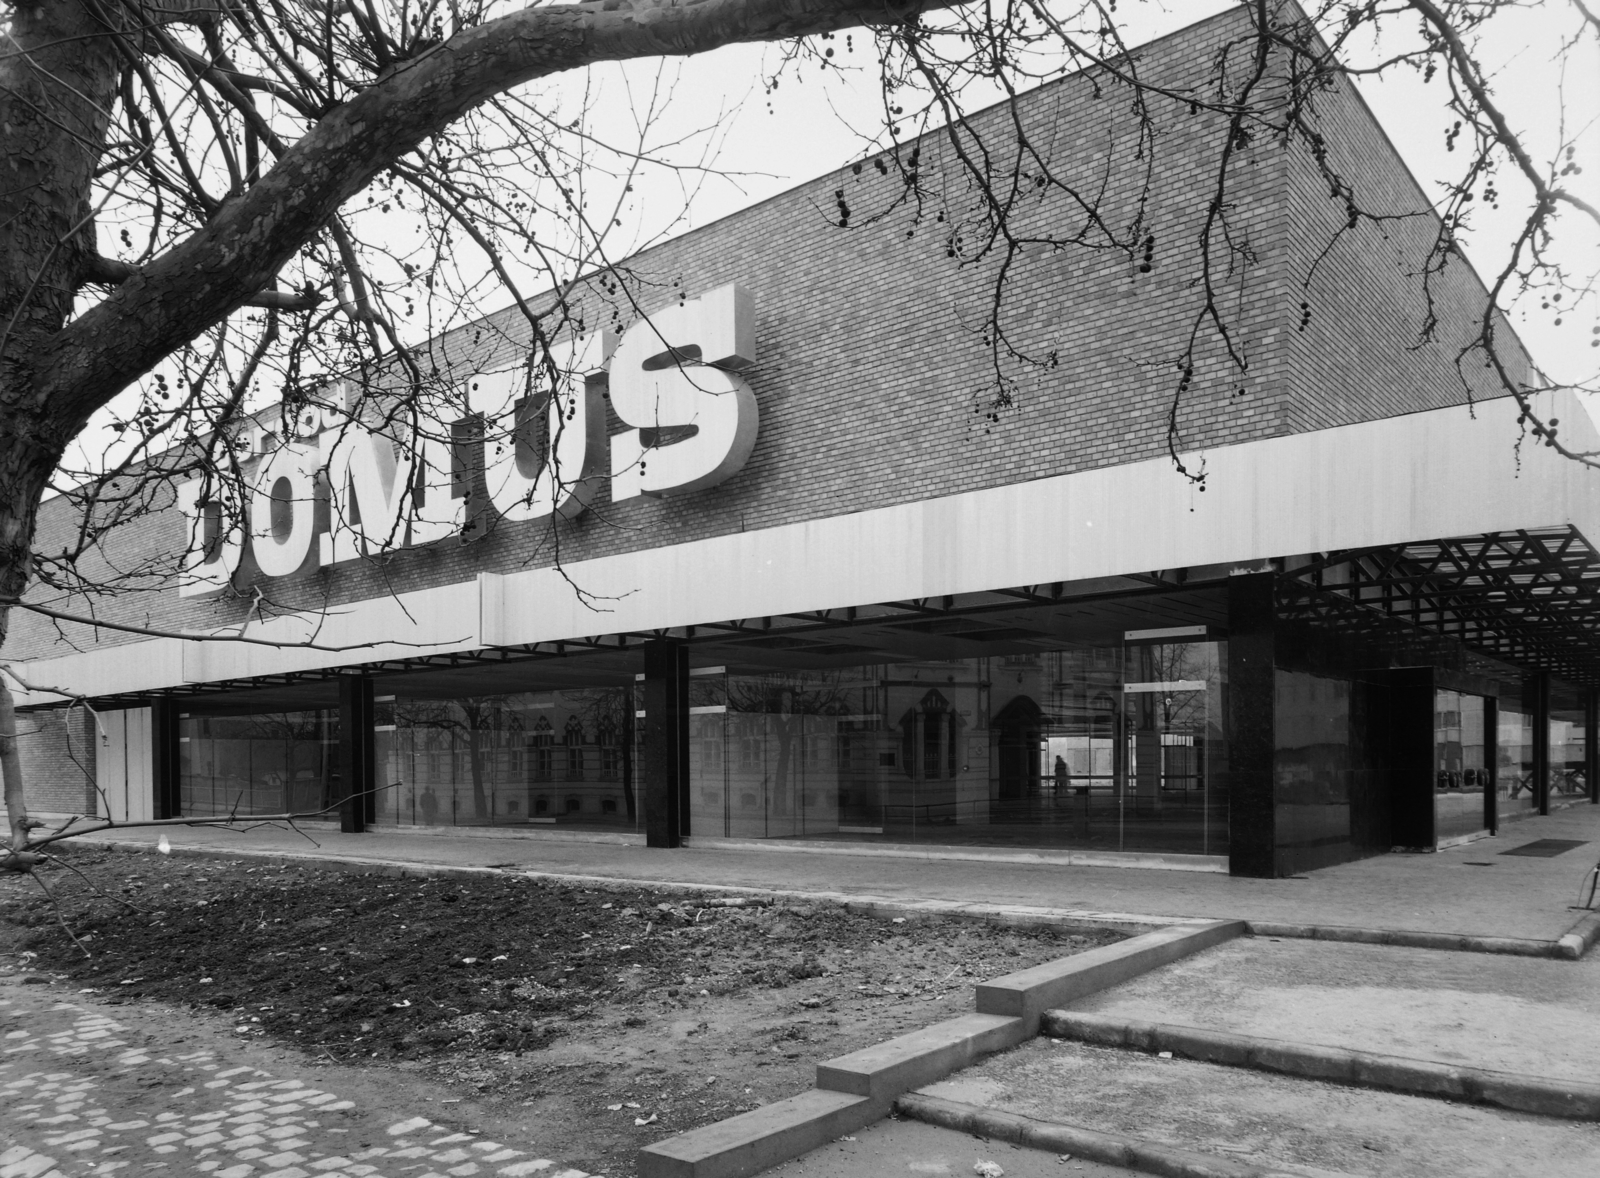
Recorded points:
(283, 510)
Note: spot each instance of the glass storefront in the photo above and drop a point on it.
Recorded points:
(270, 763)
(538, 758)
(1093, 747)
(1117, 747)
(1569, 783)
(1461, 767)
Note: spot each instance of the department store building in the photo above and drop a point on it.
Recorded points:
(860, 606)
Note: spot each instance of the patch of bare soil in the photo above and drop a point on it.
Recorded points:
(601, 1018)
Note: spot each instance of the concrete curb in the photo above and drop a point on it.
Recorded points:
(1028, 993)
(1580, 938)
(1066, 857)
(856, 1089)
(760, 1139)
(1459, 942)
(1019, 916)
(884, 1071)
(1509, 1090)
(1112, 1149)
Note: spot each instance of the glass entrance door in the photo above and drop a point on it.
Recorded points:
(1165, 792)
(1461, 765)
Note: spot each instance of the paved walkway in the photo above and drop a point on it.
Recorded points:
(1473, 889)
(1532, 1016)
(84, 1091)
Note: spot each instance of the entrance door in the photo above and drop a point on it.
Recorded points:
(1463, 800)
(1163, 790)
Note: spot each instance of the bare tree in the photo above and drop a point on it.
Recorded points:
(200, 195)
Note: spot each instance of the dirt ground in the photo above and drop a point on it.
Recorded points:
(609, 1017)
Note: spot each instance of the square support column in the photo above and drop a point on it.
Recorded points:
(1536, 691)
(1252, 744)
(166, 768)
(1491, 758)
(357, 774)
(1411, 758)
(1591, 742)
(664, 743)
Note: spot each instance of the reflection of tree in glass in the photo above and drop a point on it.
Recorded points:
(1173, 662)
(474, 723)
(307, 761)
(608, 713)
(786, 699)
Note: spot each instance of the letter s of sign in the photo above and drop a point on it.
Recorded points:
(695, 420)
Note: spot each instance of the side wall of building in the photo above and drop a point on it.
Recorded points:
(57, 747)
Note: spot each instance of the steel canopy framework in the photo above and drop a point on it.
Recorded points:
(1530, 596)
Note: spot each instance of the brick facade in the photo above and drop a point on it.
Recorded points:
(872, 376)
(57, 747)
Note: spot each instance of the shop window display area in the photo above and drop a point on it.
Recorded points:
(1099, 747)
(1124, 741)
(1095, 747)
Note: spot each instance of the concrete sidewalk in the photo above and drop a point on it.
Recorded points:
(1471, 890)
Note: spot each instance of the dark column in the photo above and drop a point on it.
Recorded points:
(1491, 760)
(1252, 817)
(1411, 757)
(357, 775)
(1591, 742)
(165, 766)
(664, 743)
(1536, 691)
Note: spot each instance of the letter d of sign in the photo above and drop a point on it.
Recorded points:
(695, 421)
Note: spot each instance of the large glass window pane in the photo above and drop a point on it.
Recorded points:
(541, 758)
(1569, 782)
(269, 763)
(1461, 770)
(805, 755)
(1172, 793)
(1038, 749)
(1515, 795)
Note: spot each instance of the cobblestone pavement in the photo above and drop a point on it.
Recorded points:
(82, 1093)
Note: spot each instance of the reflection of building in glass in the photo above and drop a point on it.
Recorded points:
(258, 764)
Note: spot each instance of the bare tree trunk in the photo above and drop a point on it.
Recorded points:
(57, 82)
(22, 479)
(17, 821)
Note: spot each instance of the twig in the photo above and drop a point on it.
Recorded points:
(93, 887)
(60, 916)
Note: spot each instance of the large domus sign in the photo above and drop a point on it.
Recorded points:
(328, 489)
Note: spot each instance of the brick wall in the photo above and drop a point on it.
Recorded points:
(1363, 351)
(57, 747)
(873, 378)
